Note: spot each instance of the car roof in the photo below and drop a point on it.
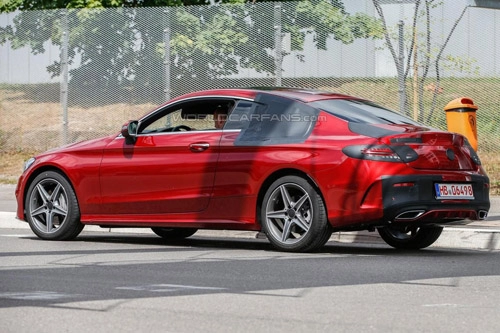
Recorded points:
(301, 94)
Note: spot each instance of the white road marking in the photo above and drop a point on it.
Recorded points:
(18, 236)
(35, 295)
(155, 288)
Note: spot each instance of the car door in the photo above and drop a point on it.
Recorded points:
(165, 171)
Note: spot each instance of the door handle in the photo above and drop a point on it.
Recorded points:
(199, 147)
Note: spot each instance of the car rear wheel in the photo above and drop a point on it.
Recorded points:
(174, 233)
(293, 215)
(52, 209)
(412, 238)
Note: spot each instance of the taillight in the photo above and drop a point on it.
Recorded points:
(381, 153)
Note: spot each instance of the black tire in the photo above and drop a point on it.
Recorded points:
(410, 238)
(174, 233)
(293, 216)
(51, 207)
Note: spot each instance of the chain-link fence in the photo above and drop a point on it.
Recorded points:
(69, 75)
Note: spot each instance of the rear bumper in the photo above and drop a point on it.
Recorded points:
(413, 200)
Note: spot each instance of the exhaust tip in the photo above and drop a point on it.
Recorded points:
(410, 215)
(482, 214)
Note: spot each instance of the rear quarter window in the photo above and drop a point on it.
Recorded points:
(272, 120)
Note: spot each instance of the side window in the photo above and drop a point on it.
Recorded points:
(276, 120)
(241, 115)
(200, 122)
(192, 115)
(178, 120)
(163, 124)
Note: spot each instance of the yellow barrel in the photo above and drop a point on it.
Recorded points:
(461, 118)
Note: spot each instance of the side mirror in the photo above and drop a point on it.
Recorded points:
(129, 131)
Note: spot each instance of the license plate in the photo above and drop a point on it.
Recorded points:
(454, 191)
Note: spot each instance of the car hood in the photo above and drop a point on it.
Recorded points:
(92, 144)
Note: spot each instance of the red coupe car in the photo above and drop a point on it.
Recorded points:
(295, 164)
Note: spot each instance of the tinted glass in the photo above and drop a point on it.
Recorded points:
(275, 120)
(240, 116)
(362, 112)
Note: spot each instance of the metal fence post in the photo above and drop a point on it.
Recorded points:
(277, 44)
(401, 69)
(166, 59)
(64, 74)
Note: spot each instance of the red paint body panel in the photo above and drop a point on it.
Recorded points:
(152, 175)
(80, 163)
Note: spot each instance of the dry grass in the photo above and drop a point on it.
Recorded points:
(491, 164)
(11, 165)
(28, 122)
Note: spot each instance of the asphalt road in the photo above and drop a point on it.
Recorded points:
(7, 198)
(121, 283)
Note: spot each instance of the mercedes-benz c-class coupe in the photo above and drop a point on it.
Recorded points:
(295, 164)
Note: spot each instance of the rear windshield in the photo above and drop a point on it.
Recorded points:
(364, 112)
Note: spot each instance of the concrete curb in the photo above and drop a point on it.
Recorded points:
(470, 237)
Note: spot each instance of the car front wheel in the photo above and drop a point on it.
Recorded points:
(51, 207)
(409, 237)
(293, 215)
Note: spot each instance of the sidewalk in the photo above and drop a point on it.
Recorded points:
(476, 235)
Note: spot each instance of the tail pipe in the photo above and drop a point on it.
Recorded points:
(409, 215)
(482, 214)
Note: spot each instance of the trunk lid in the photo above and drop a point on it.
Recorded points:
(435, 150)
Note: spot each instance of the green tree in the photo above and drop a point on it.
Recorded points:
(127, 43)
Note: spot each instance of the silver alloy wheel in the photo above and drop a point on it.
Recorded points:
(48, 205)
(289, 212)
